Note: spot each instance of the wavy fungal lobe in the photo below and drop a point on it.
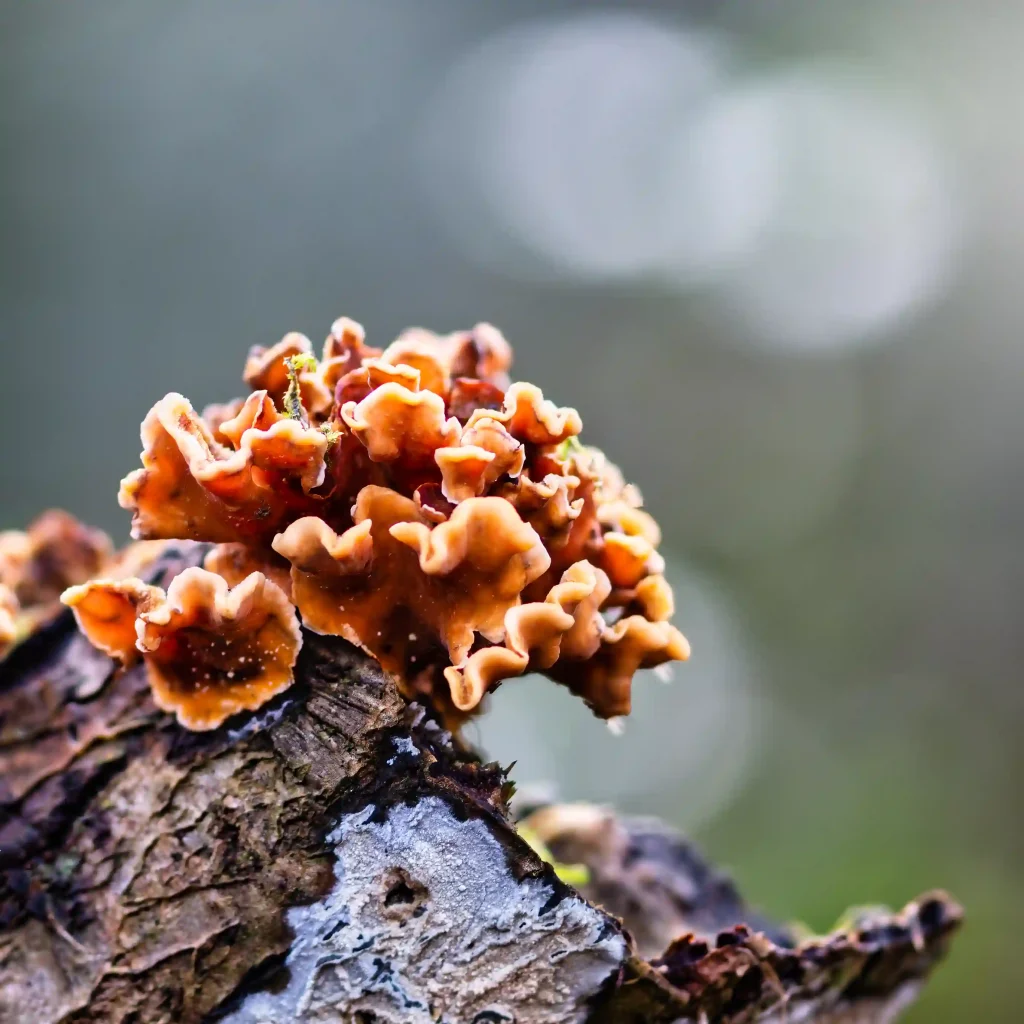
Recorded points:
(411, 499)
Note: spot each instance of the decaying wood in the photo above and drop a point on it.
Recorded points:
(336, 857)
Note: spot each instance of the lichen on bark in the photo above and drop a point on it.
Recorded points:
(421, 899)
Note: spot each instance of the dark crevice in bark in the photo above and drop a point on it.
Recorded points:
(270, 975)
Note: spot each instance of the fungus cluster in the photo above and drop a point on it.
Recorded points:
(411, 500)
(38, 563)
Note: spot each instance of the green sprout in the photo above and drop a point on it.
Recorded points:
(570, 446)
(576, 875)
(293, 396)
(331, 433)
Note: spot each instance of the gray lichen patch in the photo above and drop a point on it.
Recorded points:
(426, 923)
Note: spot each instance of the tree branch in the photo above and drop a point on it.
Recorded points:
(337, 857)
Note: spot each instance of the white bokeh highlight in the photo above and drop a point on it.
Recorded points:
(612, 147)
(861, 220)
(545, 147)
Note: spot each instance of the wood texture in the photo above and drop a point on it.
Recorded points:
(336, 857)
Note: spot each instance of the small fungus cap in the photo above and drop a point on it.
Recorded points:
(106, 611)
(210, 650)
(529, 416)
(485, 453)
(396, 424)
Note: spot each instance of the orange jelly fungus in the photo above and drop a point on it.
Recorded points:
(210, 650)
(38, 563)
(410, 499)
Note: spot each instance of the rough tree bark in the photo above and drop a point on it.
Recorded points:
(336, 857)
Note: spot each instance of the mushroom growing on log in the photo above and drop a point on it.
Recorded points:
(335, 854)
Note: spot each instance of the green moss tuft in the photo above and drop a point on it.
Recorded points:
(293, 396)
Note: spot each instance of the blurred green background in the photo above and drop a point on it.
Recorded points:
(771, 250)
